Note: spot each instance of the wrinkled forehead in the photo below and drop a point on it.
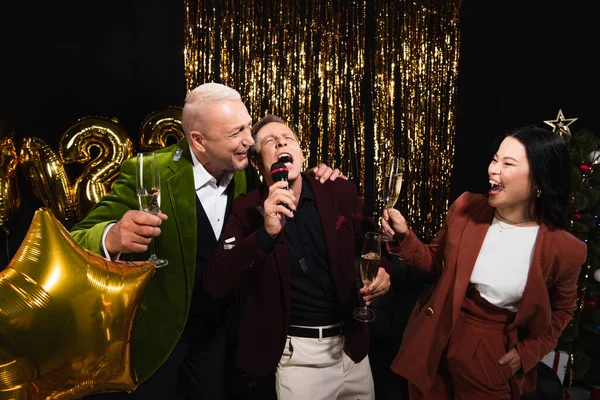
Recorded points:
(275, 130)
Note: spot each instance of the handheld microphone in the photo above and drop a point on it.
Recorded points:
(279, 172)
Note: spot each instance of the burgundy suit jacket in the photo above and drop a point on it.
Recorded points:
(265, 278)
(546, 307)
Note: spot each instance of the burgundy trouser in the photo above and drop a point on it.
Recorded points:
(469, 367)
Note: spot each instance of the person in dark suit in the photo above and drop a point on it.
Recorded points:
(505, 271)
(179, 341)
(290, 246)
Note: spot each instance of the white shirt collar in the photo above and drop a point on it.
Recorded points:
(202, 177)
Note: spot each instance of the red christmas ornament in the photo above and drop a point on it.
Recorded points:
(590, 303)
(585, 168)
(576, 216)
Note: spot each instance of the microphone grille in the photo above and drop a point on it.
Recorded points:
(279, 171)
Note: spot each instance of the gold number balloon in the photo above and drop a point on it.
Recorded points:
(9, 191)
(114, 146)
(46, 174)
(66, 317)
(159, 126)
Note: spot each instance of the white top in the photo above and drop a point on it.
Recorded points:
(501, 269)
(212, 196)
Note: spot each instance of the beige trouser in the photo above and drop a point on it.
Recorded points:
(313, 369)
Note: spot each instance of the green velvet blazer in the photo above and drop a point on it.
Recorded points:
(163, 313)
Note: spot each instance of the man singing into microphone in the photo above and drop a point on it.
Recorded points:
(290, 246)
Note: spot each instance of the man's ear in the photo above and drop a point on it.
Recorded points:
(255, 162)
(198, 141)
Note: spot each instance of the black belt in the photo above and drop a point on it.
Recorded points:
(314, 332)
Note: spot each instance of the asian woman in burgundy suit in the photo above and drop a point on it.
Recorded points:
(504, 273)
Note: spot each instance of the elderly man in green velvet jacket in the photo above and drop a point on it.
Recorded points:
(179, 337)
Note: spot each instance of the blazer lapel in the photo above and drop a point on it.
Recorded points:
(240, 185)
(478, 223)
(184, 207)
(535, 295)
(327, 216)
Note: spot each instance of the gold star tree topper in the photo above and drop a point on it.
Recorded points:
(561, 124)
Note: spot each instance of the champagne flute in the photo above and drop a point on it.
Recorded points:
(392, 186)
(147, 180)
(369, 267)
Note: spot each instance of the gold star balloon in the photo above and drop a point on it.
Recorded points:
(66, 317)
(561, 124)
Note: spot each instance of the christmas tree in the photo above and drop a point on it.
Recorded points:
(581, 339)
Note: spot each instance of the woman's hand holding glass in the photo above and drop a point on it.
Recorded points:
(392, 187)
(394, 224)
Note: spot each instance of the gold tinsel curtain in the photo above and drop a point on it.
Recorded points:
(357, 80)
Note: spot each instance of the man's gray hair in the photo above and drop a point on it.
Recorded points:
(201, 97)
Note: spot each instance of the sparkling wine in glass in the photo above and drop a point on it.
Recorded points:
(147, 179)
(369, 266)
(392, 186)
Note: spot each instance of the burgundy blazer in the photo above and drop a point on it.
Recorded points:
(546, 307)
(266, 278)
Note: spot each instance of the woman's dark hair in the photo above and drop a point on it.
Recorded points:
(550, 168)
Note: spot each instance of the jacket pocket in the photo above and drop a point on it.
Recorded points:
(426, 297)
(474, 353)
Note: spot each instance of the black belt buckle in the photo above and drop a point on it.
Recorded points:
(313, 333)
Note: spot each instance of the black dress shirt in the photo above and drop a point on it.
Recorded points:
(313, 301)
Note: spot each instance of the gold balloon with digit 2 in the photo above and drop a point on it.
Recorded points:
(113, 146)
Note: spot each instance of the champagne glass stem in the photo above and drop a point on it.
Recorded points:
(385, 237)
(153, 248)
(154, 258)
(364, 303)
